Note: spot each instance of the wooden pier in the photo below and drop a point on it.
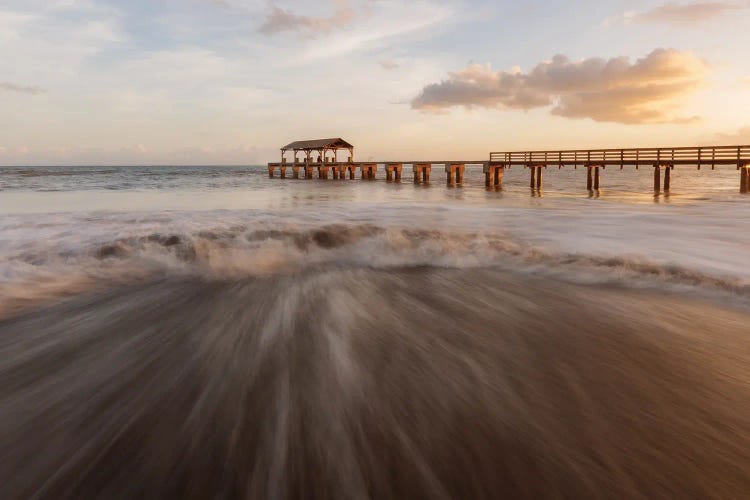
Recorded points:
(662, 160)
(594, 160)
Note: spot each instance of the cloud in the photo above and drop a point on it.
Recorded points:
(742, 136)
(672, 13)
(388, 64)
(12, 87)
(614, 90)
(280, 20)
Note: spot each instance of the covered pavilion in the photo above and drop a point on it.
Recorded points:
(321, 146)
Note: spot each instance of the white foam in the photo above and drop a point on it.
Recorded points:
(48, 255)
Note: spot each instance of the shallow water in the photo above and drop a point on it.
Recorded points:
(211, 332)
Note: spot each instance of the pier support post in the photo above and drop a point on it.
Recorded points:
(597, 179)
(493, 175)
(489, 175)
(745, 179)
(667, 178)
(393, 171)
(532, 182)
(589, 178)
(369, 170)
(421, 172)
(308, 172)
(283, 171)
(657, 179)
(455, 173)
(270, 171)
(539, 178)
(295, 172)
(499, 172)
(335, 173)
(460, 169)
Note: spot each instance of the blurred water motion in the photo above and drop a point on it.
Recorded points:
(210, 333)
(350, 382)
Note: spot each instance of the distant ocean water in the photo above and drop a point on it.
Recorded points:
(208, 331)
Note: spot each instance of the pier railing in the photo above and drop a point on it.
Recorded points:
(710, 155)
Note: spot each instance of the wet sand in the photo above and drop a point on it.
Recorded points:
(353, 382)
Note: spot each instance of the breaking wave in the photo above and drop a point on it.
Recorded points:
(43, 271)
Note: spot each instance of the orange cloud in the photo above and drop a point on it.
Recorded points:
(280, 20)
(615, 90)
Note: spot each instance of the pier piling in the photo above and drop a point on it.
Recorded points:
(589, 178)
(657, 179)
(667, 178)
(455, 173)
(460, 170)
(493, 175)
(539, 178)
(597, 179)
(369, 170)
(532, 182)
(489, 175)
(745, 179)
(421, 172)
(393, 171)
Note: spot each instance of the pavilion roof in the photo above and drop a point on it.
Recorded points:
(335, 143)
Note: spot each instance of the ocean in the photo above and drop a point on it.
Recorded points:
(201, 332)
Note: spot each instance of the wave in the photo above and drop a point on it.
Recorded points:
(240, 251)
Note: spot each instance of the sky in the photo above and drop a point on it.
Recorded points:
(104, 82)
